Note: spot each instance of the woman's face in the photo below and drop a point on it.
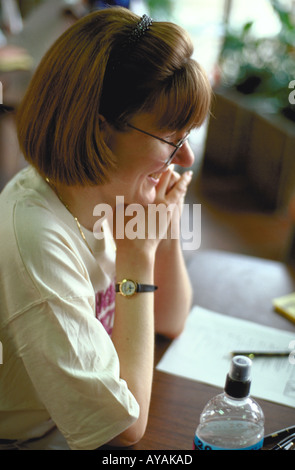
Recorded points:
(141, 158)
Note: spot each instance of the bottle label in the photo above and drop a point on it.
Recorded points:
(199, 444)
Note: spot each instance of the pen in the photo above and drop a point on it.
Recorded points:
(289, 446)
(253, 354)
(285, 444)
(281, 434)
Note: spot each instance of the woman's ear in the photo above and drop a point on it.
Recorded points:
(106, 131)
(102, 121)
(104, 127)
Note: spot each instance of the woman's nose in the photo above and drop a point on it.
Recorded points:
(184, 156)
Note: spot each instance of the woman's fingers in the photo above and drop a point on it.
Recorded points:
(172, 187)
(166, 181)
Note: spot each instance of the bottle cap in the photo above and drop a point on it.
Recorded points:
(238, 380)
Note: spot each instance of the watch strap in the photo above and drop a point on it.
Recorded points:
(139, 287)
(146, 288)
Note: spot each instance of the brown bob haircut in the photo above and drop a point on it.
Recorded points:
(90, 72)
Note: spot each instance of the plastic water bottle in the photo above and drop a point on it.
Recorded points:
(232, 420)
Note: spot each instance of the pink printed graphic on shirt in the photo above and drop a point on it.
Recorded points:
(105, 307)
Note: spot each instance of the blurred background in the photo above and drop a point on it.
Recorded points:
(244, 170)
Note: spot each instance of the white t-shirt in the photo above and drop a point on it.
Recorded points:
(57, 301)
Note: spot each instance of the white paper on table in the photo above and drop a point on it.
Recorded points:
(202, 352)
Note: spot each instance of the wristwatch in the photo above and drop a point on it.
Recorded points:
(127, 287)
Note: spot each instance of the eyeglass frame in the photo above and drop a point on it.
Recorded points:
(176, 146)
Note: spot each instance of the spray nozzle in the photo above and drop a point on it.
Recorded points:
(238, 379)
(240, 368)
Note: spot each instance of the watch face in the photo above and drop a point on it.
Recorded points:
(128, 287)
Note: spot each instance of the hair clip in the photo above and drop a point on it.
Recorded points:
(140, 29)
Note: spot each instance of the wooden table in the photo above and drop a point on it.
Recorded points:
(231, 284)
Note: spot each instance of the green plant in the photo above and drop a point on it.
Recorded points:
(262, 67)
(160, 8)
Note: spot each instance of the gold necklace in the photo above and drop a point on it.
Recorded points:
(67, 207)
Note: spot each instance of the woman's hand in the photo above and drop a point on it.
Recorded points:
(171, 190)
(156, 221)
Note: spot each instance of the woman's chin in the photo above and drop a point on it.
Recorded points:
(146, 197)
(145, 193)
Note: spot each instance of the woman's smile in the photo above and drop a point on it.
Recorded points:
(155, 178)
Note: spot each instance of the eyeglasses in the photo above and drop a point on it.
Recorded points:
(176, 146)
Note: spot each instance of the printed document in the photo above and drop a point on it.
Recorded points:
(203, 353)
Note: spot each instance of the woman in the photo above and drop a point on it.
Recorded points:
(107, 111)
